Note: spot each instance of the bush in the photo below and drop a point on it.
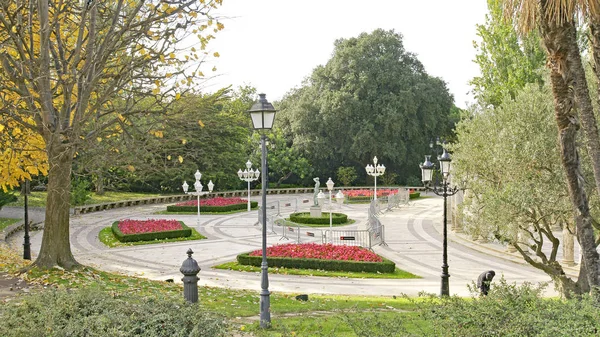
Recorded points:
(180, 233)
(305, 218)
(386, 266)
(510, 310)
(414, 195)
(6, 198)
(213, 209)
(80, 192)
(347, 175)
(89, 312)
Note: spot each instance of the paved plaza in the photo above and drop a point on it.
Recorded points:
(412, 236)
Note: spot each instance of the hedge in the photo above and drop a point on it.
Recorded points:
(414, 195)
(184, 232)
(213, 209)
(304, 217)
(386, 266)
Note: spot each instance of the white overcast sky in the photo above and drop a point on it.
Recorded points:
(274, 44)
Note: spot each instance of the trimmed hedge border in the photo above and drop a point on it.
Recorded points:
(336, 218)
(414, 195)
(214, 209)
(386, 266)
(184, 232)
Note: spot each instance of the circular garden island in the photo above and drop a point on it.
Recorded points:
(304, 218)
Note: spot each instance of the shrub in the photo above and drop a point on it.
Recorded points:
(89, 312)
(80, 192)
(213, 209)
(386, 266)
(414, 195)
(6, 198)
(510, 310)
(305, 218)
(149, 236)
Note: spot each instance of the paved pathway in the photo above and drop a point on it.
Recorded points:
(412, 235)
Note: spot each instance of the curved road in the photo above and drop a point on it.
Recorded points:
(412, 235)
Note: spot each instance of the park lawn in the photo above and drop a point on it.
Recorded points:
(38, 199)
(107, 237)
(5, 222)
(398, 274)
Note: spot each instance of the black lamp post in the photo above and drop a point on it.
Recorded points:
(445, 191)
(26, 243)
(263, 116)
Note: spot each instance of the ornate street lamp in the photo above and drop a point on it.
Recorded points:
(445, 191)
(248, 175)
(375, 171)
(330, 184)
(263, 115)
(198, 187)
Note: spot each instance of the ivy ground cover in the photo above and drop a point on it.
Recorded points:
(218, 204)
(146, 230)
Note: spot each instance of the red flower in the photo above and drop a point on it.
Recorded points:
(147, 226)
(318, 251)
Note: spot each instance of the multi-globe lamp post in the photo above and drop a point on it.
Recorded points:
(375, 170)
(445, 191)
(263, 115)
(198, 187)
(248, 175)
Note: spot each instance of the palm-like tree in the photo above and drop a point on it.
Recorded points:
(556, 22)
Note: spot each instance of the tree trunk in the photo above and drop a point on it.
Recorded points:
(556, 40)
(578, 81)
(56, 247)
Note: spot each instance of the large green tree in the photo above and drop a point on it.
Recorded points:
(516, 190)
(555, 20)
(507, 61)
(372, 98)
(63, 64)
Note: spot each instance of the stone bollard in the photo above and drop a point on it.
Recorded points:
(189, 268)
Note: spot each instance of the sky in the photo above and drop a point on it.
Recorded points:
(273, 45)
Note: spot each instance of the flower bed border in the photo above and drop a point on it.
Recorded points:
(184, 232)
(336, 218)
(214, 209)
(386, 266)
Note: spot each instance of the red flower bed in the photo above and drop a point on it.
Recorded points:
(318, 251)
(219, 201)
(148, 226)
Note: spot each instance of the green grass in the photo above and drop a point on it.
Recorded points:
(5, 222)
(38, 199)
(398, 274)
(107, 237)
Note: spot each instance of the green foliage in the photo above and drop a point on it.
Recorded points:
(305, 218)
(507, 63)
(413, 181)
(516, 183)
(346, 175)
(386, 266)
(80, 192)
(510, 310)
(371, 98)
(6, 198)
(212, 209)
(88, 312)
(414, 195)
(184, 232)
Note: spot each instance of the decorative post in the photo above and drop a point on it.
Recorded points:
(190, 269)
